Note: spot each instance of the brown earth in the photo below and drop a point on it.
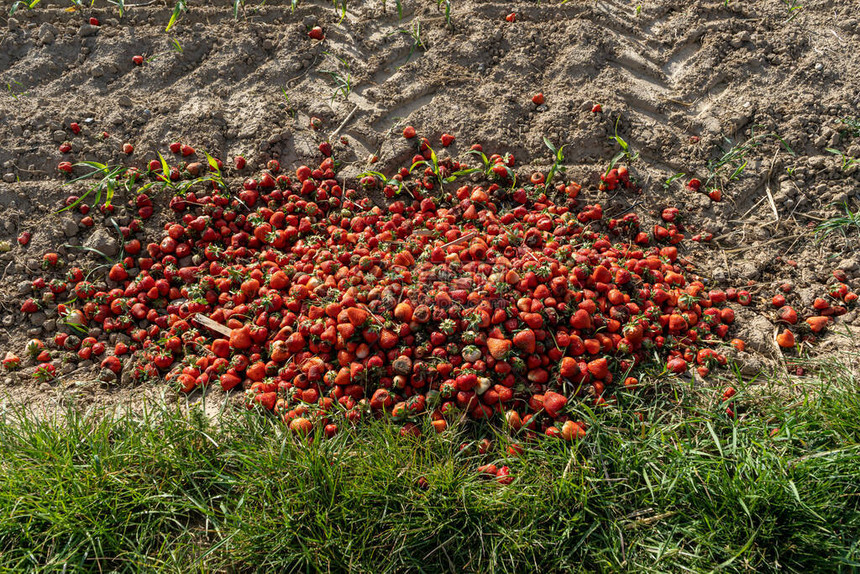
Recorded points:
(682, 83)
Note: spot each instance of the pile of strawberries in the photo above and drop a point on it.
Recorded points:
(491, 300)
(834, 303)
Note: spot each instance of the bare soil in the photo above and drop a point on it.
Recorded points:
(682, 83)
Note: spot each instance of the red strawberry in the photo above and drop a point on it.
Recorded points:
(316, 33)
(817, 324)
(241, 338)
(787, 314)
(221, 348)
(268, 400)
(571, 430)
(118, 273)
(301, 426)
(447, 139)
(525, 340)
(11, 361)
(229, 380)
(357, 316)
(387, 339)
(112, 364)
(569, 368)
(137, 60)
(498, 348)
(538, 99)
(599, 368)
(409, 132)
(553, 403)
(785, 339)
(676, 365)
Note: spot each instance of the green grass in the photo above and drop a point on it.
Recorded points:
(844, 225)
(687, 489)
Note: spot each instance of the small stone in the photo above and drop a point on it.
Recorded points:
(817, 162)
(24, 287)
(69, 227)
(9, 177)
(747, 271)
(38, 318)
(101, 240)
(848, 265)
(124, 101)
(88, 30)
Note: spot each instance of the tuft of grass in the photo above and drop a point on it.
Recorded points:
(626, 150)
(108, 180)
(672, 179)
(848, 162)
(731, 162)
(794, 7)
(398, 5)
(291, 110)
(175, 47)
(413, 32)
(18, 4)
(843, 224)
(340, 6)
(445, 6)
(343, 80)
(557, 159)
(178, 8)
(684, 488)
(120, 6)
(15, 93)
(852, 126)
